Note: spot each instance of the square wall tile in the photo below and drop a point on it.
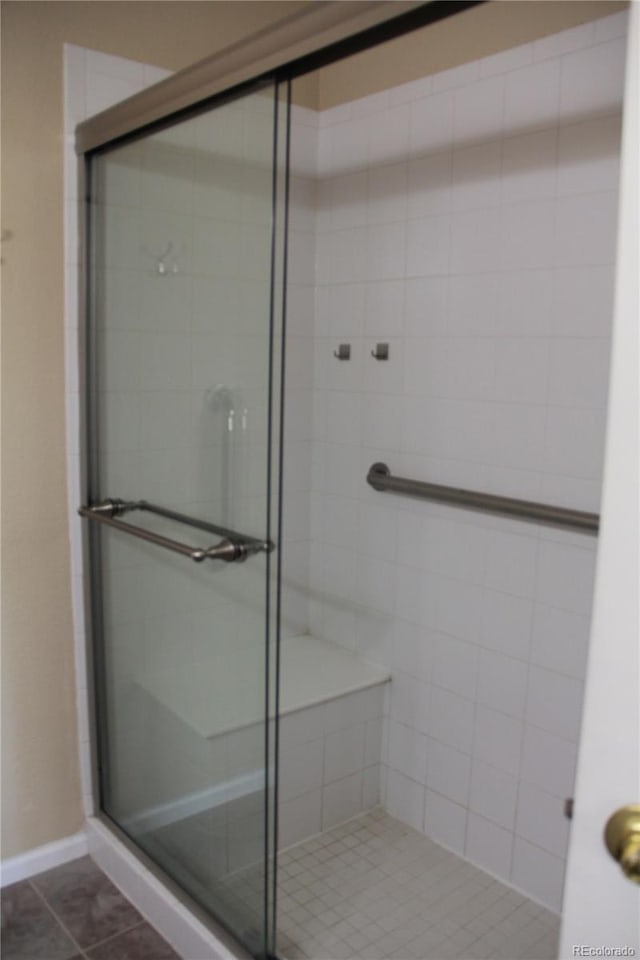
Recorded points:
(560, 640)
(479, 110)
(532, 96)
(445, 822)
(529, 164)
(426, 307)
(497, 740)
(589, 155)
(476, 242)
(548, 762)
(385, 251)
(388, 135)
(431, 123)
(451, 720)
(429, 184)
(476, 175)
(554, 703)
(502, 683)
(489, 846)
(521, 370)
(528, 234)
(541, 820)
(506, 624)
(300, 818)
(455, 665)
(572, 592)
(574, 445)
(593, 79)
(341, 800)
(427, 247)
(511, 563)
(579, 372)
(448, 772)
(538, 874)
(347, 200)
(343, 752)
(300, 769)
(458, 608)
(407, 752)
(585, 232)
(405, 799)
(493, 794)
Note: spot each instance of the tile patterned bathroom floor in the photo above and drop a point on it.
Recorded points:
(375, 889)
(74, 912)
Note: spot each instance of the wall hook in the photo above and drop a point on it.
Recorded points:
(166, 264)
(381, 351)
(343, 352)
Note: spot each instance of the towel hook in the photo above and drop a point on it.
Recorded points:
(343, 352)
(381, 351)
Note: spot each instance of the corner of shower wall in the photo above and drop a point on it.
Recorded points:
(298, 398)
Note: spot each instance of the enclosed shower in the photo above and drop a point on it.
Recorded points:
(345, 384)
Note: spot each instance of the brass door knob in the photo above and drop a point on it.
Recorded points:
(622, 837)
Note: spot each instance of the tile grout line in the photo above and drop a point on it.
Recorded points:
(55, 916)
(100, 943)
(84, 950)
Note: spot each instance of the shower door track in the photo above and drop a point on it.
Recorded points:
(317, 35)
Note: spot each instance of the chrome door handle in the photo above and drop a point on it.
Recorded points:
(233, 547)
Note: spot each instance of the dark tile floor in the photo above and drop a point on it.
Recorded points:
(74, 912)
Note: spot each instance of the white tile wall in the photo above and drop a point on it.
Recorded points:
(469, 221)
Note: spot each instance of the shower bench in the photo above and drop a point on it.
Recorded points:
(331, 707)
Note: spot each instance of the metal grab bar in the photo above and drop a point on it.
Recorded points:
(380, 478)
(233, 547)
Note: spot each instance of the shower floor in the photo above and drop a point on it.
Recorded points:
(374, 888)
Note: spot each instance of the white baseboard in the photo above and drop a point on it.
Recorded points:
(153, 818)
(50, 855)
(171, 918)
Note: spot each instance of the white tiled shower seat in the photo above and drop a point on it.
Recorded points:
(332, 704)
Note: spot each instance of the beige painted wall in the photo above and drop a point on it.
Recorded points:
(41, 794)
(40, 780)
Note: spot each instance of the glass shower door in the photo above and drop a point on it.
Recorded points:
(184, 345)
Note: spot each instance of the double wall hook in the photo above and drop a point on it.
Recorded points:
(343, 352)
(166, 263)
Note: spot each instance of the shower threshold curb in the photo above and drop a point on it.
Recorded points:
(171, 917)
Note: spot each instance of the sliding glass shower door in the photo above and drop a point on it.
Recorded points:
(186, 248)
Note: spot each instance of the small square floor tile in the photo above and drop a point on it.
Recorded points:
(416, 898)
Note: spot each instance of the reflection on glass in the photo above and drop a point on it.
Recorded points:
(181, 291)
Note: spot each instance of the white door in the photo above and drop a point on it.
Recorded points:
(601, 906)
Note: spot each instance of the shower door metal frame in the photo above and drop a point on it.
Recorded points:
(90, 473)
(318, 35)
